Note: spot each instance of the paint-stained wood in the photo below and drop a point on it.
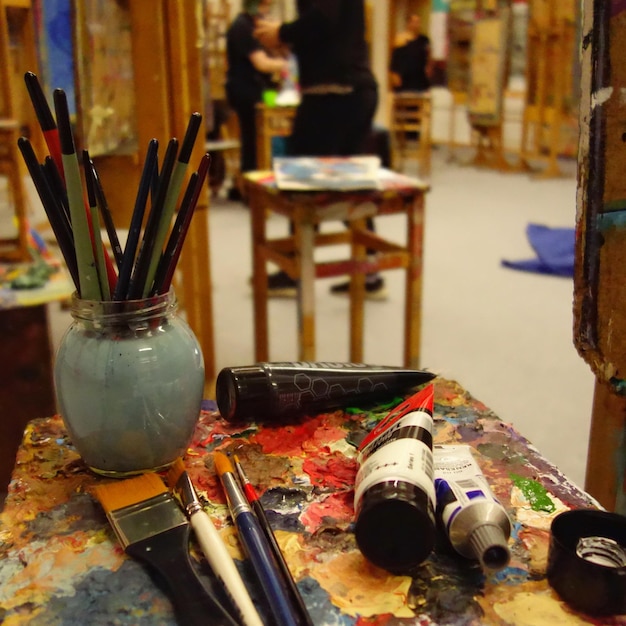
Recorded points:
(600, 271)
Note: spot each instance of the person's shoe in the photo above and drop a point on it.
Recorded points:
(281, 285)
(374, 288)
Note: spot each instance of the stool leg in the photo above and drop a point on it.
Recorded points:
(305, 245)
(413, 304)
(357, 292)
(259, 276)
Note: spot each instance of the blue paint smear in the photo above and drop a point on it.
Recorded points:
(319, 606)
(515, 530)
(463, 415)
(612, 219)
(104, 597)
(511, 576)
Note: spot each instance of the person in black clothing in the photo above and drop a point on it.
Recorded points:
(250, 69)
(410, 59)
(339, 93)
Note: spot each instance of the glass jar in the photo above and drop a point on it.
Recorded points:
(129, 379)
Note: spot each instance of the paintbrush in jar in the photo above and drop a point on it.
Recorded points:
(151, 528)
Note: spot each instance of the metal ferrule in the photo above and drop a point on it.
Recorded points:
(236, 499)
(187, 495)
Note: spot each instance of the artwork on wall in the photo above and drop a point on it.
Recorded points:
(56, 49)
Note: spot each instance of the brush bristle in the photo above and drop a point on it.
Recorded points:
(114, 496)
(175, 472)
(222, 463)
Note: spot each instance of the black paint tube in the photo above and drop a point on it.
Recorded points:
(394, 491)
(278, 391)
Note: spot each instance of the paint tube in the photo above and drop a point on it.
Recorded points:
(475, 522)
(274, 391)
(394, 493)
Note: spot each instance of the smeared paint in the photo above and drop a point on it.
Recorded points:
(61, 558)
(331, 471)
(337, 509)
(536, 542)
(534, 519)
(380, 408)
(536, 609)
(534, 492)
(359, 588)
(297, 439)
(599, 97)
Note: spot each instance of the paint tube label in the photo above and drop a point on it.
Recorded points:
(421, 401)
(459, 481)
(415, 425)
(402, 459)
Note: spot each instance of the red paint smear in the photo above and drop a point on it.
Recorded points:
(379, 620)
(293, 440)
(337, 508)
(334, 471)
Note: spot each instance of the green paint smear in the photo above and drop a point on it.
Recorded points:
(535, 493)
(352, 410)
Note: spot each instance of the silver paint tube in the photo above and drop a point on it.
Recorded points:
(475, 522)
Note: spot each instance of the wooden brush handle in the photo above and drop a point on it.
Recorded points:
(167, 553)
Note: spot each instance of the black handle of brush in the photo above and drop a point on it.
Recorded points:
(167, 553)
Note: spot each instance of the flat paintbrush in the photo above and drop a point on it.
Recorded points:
(213, 547)
(151, 528)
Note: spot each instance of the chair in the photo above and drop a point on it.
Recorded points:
(410, 130)
(271, 122)
(13, 247)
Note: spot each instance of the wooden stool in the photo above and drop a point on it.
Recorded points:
(410, 130)
(295, 254)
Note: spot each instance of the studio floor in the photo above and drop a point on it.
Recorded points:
(505, 335)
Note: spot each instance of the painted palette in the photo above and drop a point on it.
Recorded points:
(61, 564)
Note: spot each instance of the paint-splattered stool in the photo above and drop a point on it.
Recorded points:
(397, 194)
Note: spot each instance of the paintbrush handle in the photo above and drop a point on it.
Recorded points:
(224, 567)
(167, 553)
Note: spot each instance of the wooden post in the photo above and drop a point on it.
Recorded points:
(600, 271)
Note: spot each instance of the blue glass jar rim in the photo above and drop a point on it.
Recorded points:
(117, 312)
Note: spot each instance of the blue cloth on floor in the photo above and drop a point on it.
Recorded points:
(554, 248)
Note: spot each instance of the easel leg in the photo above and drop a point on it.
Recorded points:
(605, 479)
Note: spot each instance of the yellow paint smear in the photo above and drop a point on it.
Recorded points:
(533, 603)
(295, 555)
(359, 588)
(38, 580)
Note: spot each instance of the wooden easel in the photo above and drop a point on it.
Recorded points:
(551, 29)
(167, 88)
(600, 270)
(488, 70)
(17, 55)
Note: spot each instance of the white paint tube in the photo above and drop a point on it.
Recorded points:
(475, 522)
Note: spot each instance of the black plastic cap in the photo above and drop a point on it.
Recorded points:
(395, 526)
(589, 580)
(243, 393)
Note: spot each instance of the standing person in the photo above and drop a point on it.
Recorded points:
(249, 73)
(339, 93)
(411, 66)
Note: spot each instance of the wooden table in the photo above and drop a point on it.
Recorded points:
(61, 563)
(27, 389)
(295, 254)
